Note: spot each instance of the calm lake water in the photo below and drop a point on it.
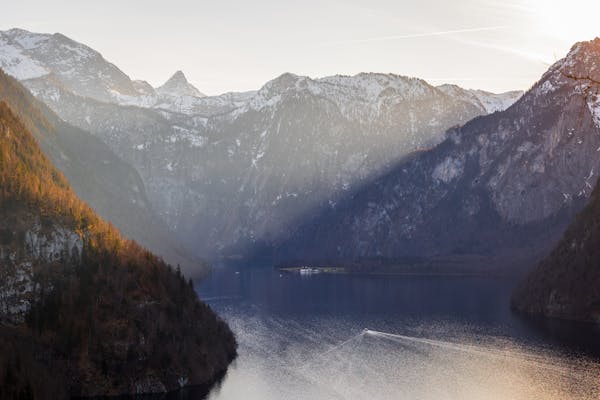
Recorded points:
(305, 337)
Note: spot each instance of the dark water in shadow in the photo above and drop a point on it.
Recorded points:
(303, 337)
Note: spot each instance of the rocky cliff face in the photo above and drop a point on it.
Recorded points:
(48, 244)
(506, 182)
(566, 283)
(81, 307)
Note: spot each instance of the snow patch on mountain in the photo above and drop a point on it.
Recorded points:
(545, 88)
(13, 55)
(593, 103)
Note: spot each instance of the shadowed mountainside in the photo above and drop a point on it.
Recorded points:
(503, 186)
(566, 284)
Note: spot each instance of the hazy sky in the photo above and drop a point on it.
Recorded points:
(231, 45)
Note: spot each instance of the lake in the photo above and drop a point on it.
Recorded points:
(392, 337)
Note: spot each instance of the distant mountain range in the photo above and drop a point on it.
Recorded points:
(241, 170)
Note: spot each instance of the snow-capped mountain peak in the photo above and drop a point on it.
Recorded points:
(36, 58)
(26, 55)
(178, 86)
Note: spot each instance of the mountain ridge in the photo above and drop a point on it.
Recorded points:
(333, 133)
(19, 58)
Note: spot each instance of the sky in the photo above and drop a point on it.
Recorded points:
(238, 45)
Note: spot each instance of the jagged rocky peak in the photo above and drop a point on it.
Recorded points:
(582, 62)
(580, 69)
(178, 86)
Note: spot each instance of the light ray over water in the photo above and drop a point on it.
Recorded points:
(277, 360)
(367, 338)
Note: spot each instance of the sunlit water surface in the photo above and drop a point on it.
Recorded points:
(365, 337)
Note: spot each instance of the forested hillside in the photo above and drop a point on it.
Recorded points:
(82, 307)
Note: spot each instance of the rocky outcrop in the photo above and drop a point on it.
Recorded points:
(46, 245)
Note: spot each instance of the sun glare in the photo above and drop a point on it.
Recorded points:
(569, 21)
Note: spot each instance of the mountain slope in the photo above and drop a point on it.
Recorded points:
(106, 315)
(112, 187)
(566, 284)
(505, 184)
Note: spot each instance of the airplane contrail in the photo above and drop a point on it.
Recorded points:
(424, 34)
